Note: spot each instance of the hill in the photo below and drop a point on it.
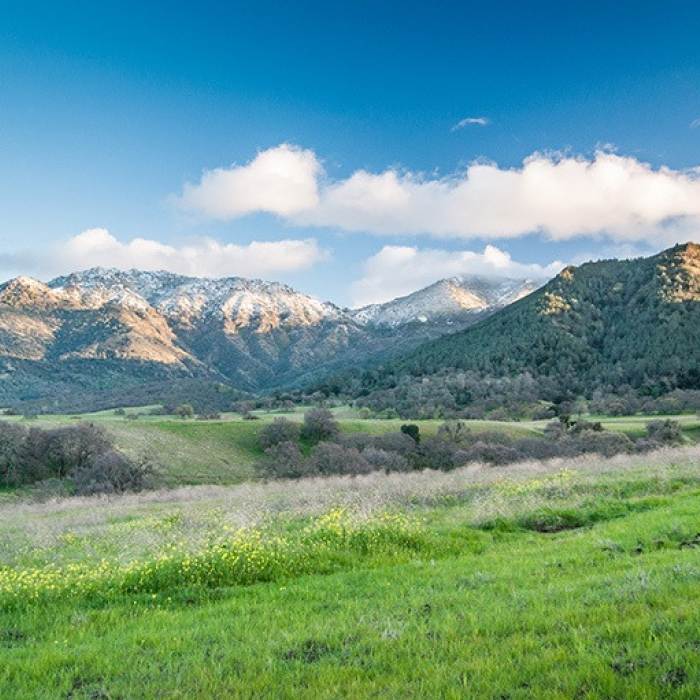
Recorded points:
(607, 326)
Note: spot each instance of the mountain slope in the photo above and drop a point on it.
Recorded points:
(449, 301)
(104, 332)
(603, 325)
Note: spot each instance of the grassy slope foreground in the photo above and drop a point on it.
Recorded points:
(576, 580)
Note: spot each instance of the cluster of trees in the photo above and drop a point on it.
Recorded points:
(317, 447)
(83, 455)
(455, 394)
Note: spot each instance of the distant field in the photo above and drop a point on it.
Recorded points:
(225, 451)
(543, 580)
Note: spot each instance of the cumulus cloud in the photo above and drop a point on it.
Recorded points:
(281, 180)
(399, 270)
(558, 196)
(470, 121)
(203, 257)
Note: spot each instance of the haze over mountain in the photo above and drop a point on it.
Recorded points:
(102, 329)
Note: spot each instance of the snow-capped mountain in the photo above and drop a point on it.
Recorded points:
(187, 301)
(92, 330)
(452, 300)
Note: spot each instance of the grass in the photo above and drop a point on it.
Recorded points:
(225, 451)
(541, 580)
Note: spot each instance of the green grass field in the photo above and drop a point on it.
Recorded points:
(554, 581)
(225, 451)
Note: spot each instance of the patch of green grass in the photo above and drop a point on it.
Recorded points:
(226, 451)
(431, 605)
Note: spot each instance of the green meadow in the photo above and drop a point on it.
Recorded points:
(551, 580)
(225, 451)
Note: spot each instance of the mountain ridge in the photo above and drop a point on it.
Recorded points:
(250, 333)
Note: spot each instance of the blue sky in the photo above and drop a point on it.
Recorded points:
(334, 129)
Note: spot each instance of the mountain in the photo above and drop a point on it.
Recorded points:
(449, 301)
(613, 325)
(91, 336)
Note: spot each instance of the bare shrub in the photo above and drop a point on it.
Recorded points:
(285, 460)
(332, 458)
(488, 453)
(665, 432)
(388, 461)
(280, 430)
(401, 443)
(454, 431)
(437, 453)
(112, 472)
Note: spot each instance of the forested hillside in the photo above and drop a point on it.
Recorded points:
(604, 327)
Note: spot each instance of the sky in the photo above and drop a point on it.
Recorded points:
(357, 151)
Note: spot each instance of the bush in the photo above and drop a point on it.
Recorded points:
(12, 438)
(412, 430)
(57, 452)
(209, 416)
(280, 430)
(488, 453)
(604, 443)
(285, 461)
(437, 453)
(319, 424)
(82, 453)
(184, 410)
(665, 432)
(112, 472)
(455, 432)
(332, 458)
(388, 461)
(401, 443)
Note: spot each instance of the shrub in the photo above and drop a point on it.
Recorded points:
(604, 443)
(665, 432)
(55, 453)
(436, 453)
(284, 460)
(209, 416)
(489, 453)
(360, 441)
(184, 410)
(112, 472)
(280, 430)
(12, 437)
(332, 458)
(412, 430)
(388, 461)
(455, 432)
(401, 443)
(319, 424)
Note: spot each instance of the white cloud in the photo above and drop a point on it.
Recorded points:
(695, 124)
(399, 270)
(470, 121)
(281, 180)
(559, 196)
(203, 257)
